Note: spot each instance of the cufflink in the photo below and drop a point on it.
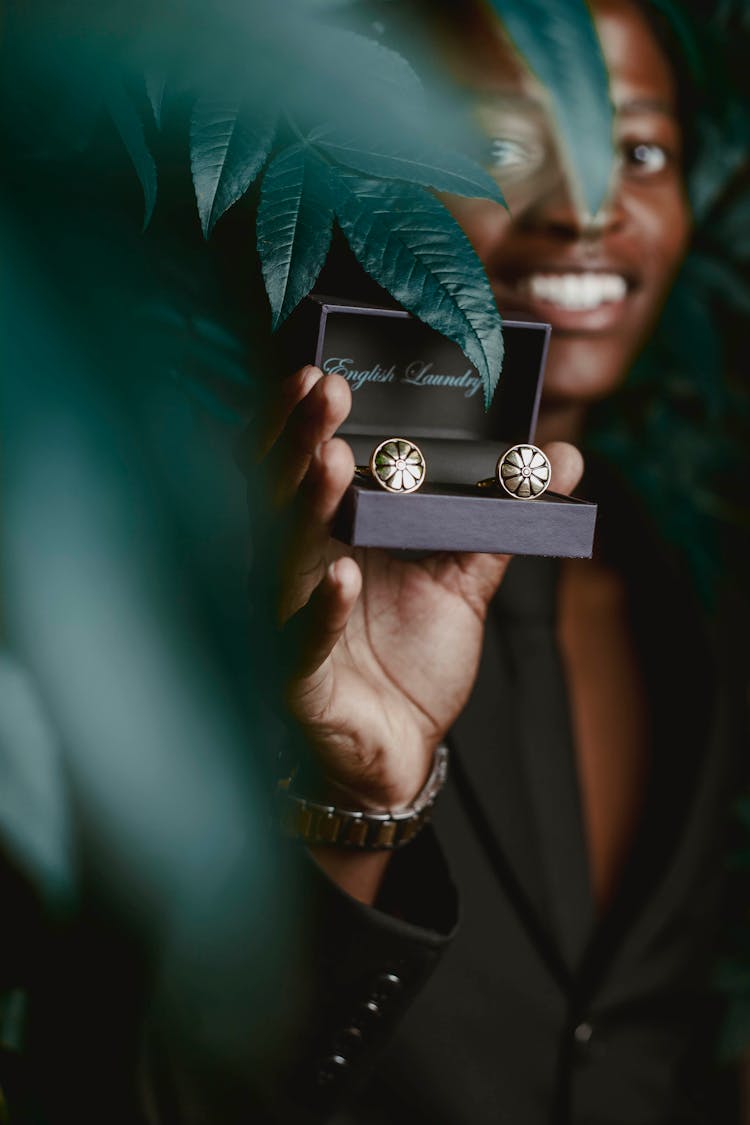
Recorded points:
(397, 465)
(523, 471)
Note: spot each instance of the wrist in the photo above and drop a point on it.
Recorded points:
(347, 825)
(389, 783)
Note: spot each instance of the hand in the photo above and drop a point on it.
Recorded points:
(388, 647)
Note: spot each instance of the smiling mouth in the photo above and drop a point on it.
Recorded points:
(574, 292)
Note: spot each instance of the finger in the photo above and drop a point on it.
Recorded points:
(313, 421)
(329, 475)
(483, 573)
(258, 437)
(290, 393)
(318, 627)
(567, 466)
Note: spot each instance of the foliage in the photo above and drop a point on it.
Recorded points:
(685, 397)
(560, 44)
(312, 124)
(296, 100)
(362, 168)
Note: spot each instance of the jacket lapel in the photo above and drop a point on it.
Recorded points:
(514, 744)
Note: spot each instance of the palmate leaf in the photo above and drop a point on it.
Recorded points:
(345, 78)
(559, 42)
(295, 222)
(130, 127)
(418, 164)
(409, 243)
(228, 148)
(381, 71)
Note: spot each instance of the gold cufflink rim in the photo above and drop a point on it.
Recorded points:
(525, 466)
(409, 462)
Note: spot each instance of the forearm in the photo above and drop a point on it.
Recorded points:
(358, 874)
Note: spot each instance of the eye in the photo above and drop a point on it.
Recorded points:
(645, 158)
(509, 155)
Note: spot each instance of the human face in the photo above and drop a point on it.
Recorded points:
(600, 284)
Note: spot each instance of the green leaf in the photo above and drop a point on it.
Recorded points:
(722, 154)
(130, 127)
(295, 222)
(418, 164)
(354, 82)
(377, 66)
(559, 42)
(415, 249)
(227, 150)
(155, 86)
(686, 32)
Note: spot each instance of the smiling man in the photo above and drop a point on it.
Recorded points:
(584, 825)
(600, 282)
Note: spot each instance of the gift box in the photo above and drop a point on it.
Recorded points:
(409, 381)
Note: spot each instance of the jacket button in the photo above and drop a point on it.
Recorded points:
(583, 1033)
(386, 985)
(331, 1068)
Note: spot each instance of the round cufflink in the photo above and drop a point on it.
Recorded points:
(397, 465)
(523, 471)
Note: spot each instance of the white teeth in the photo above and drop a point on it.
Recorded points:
(576, 290)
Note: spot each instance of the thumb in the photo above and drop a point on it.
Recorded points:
(567, 466)
(486, 571)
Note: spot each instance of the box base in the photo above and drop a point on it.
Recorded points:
(465, 518)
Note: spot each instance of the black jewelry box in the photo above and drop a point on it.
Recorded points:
(409, 381)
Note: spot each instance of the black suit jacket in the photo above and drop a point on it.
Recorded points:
(529, 1009)
(482, 989)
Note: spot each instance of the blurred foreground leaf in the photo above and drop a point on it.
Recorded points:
(130, 127)
(559, 42)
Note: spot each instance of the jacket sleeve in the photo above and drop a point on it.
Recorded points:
(365, 967)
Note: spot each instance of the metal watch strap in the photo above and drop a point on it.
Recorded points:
(316, 823)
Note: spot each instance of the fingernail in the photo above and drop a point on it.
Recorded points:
(310, 377)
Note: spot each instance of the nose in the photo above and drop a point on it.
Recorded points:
(556, 212)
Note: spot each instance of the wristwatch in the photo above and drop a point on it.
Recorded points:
(316, 823)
